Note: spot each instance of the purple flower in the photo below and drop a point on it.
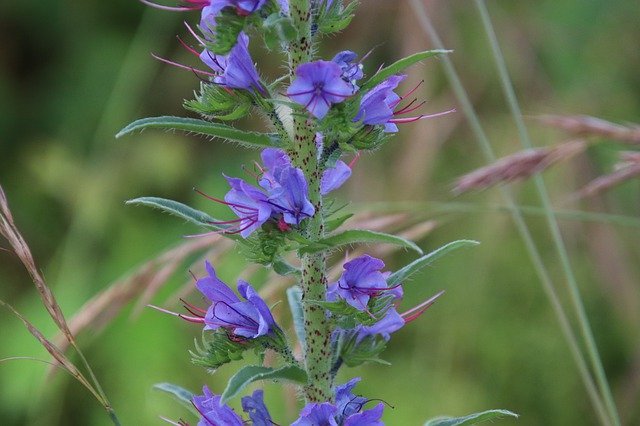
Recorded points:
(250, 318)
(236, 69)
(366, 418)
(334, 177)
(318, 85)
(390, 322)
(314, 414)
(346, 402)
(250, 205)
(286, 186)
(212, 413)
(346, 411)
(360, 281)
(377, 105)
(351, 70)
(254, 406)
(290, 196)
(284, 196)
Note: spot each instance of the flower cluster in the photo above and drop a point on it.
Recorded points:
(348, 410)
(282, 195)
(318, 112)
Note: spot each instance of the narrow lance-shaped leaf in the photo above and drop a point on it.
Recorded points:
(252, 373)
(426, 260)
(183, 211)
(358, 236)
(471, 419)
(202, 127)
(398, 66)
(178, 393)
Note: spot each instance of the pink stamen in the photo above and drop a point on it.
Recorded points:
(186, 46)
(355, 160)
(195, 308)
(416, 311)
(407, 110)
(420, 117)
(193, 33)
(175, 314)
(176, 64)
(199, 5)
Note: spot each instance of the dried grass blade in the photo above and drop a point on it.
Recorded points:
(584, 125)
(518, 166)
(56, 353)
(606, 182)
(9, 230)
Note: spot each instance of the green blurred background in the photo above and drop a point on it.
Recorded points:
(73, 73)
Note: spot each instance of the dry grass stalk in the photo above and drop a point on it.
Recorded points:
(102, 308)
(584, 125)
(518, 166)
(626, 169)
(9, 230)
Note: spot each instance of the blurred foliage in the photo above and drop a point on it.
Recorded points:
(73, 73)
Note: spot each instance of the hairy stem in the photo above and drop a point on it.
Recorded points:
(304, 154)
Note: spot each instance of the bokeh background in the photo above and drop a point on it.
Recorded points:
(72, 73)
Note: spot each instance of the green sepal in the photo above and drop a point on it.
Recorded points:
(245, 138)
(265, 245)
(251, 373)
(403, 274)
(180, 394)
(283, 268)
(398, 66)
(294, 297)
(224, 35)
(217, 349)
(217, 102)
(335, 18)
(357, 236)
(471, 419)
(353, 354)
(347, 317)
(278, 30)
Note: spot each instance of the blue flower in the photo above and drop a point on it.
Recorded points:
(318, 85)
(314, 414)
(250, 204)
(360, 281)
(347, 411)
(283, 196)
(334, 177)
(390, 322)
(236, 69)
(377, 105)
(351, 70)
(254, 406)
(250, 318)
(212, 413)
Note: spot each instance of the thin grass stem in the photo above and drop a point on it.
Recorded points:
(532, 250)
(576, 299)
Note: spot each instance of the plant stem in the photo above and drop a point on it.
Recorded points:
(303, 153)
(521, 226)
(552, 223)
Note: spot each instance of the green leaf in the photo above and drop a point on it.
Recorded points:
(294, 296)
(358, 236)
(333, 224)
(426, 260)
(471, 419)
(177, 209)
(178, 393)
(203, 127)
(283, 268)
(217, 349)
(398, 66)
(252, 373)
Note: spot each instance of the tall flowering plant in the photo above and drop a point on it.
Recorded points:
(319, 113)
